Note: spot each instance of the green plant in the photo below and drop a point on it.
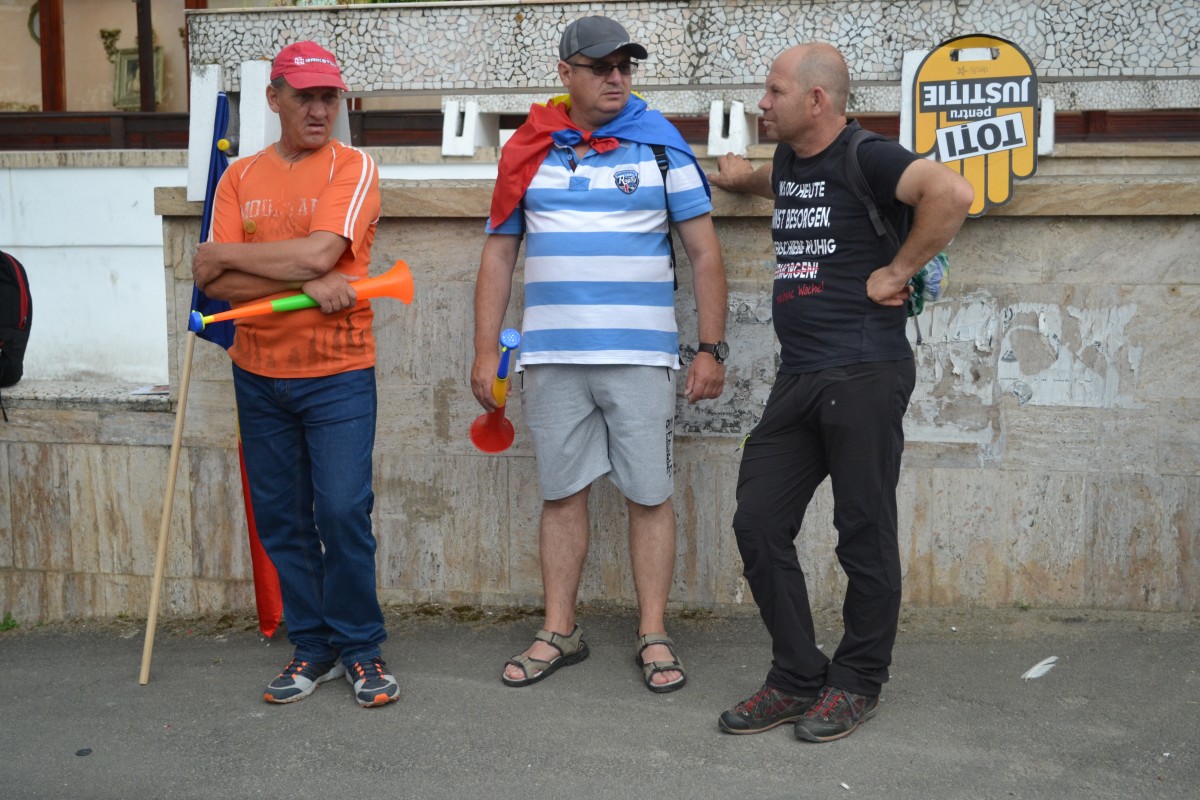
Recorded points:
(9, 623)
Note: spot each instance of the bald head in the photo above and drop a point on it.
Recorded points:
(818, 64)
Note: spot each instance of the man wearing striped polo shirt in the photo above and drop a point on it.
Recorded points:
(591, 180)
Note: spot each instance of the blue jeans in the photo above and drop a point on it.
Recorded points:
(307, 444)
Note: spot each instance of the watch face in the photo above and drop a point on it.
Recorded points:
(721, 351)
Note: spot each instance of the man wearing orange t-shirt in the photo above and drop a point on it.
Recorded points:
(300, 215)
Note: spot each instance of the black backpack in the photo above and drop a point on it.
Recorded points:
(16, 315)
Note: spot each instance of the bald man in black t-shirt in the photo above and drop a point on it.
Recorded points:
(837, 406)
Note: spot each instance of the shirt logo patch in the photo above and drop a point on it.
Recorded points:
(627, 180)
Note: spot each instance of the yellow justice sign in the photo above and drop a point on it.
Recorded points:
(975, 110)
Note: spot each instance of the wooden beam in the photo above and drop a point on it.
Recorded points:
(145, 32)
(54, 62)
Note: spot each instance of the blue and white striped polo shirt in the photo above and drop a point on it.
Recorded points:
(598, 281)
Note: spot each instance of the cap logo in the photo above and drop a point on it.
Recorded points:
(300, 61)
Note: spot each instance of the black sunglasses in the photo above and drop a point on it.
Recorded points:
(602, 69)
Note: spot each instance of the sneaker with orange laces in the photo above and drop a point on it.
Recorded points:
(836, 714)
(763, 710)
(300, 678)
(373, 684)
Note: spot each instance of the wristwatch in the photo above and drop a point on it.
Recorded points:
(719, 351)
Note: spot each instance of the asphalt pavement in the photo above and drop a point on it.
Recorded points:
(1117, 717)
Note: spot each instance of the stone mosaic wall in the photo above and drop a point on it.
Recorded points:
(1106, 54)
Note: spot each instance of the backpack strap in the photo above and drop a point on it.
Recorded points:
(866, 196)
(660, 156)
(862, 189)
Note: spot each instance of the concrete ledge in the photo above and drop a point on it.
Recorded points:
(85, 396)
(1132, 196)
(1131, 152)
(91, 159)
(1059, 196)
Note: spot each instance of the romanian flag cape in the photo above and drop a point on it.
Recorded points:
(550, 123)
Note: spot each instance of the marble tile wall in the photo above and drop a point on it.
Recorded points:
(1089, 55)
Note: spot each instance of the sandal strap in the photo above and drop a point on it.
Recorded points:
(565, 645)
(651, 639)
(525, 663)
(651, 667)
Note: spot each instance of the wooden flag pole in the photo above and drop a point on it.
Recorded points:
(164, 527)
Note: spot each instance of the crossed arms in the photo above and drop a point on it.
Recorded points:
(239, 272)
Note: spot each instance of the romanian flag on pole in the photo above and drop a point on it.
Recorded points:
(219, 332)
(266, 580)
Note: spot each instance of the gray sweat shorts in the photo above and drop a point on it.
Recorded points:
(588, 420)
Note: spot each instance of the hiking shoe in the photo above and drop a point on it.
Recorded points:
(300, 678)
(373, 684)
(835, 714)
(764, 710)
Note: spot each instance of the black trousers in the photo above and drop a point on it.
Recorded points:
(845, 423)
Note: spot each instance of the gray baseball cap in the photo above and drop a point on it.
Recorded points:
(596, 37)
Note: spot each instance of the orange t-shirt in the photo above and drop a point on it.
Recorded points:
(263, 198)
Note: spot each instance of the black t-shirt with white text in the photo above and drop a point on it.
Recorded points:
(825, 249)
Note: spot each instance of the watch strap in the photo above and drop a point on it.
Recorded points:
(714, 349)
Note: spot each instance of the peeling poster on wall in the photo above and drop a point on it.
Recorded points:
(1070, 357)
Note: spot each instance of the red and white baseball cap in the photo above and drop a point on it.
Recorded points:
(307, 65)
